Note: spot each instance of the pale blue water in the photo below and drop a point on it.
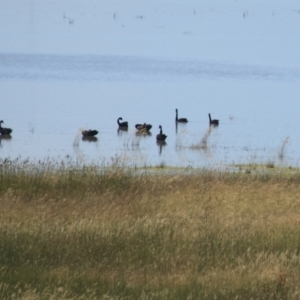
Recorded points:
(48, 95)
(112, 68)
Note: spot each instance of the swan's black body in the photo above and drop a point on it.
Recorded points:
(143, 127)
(180, 120)
(161, 136)
(122, 124)
(213, 122)
(4, 131)
(88, 133)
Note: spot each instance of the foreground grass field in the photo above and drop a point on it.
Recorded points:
(112, 233)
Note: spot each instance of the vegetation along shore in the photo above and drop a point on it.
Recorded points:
(96, 232)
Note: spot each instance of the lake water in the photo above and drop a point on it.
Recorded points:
(70, 66)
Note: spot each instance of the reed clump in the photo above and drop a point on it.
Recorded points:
(75, 232)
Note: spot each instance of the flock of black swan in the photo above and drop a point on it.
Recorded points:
(141, 128)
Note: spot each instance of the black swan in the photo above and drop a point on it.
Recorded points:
(143, 127)
(213, 122)
(122, 124)
(181, 120)
(161, 136)
(87, 133)
(4, 131)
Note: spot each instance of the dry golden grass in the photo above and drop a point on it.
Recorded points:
(111, 233)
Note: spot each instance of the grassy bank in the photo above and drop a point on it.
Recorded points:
(70, 232)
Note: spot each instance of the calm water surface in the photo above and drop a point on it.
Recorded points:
(48, 96)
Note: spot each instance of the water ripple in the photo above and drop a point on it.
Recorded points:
(128, 68)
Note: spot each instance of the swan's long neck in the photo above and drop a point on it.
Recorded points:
(209, 117)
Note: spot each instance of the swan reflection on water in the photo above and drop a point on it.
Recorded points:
(4, 138)
(122, 130)
(161, 145)
(143, 133)
(176, 126)
(89, 139)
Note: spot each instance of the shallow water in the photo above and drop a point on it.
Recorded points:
(56, 80)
